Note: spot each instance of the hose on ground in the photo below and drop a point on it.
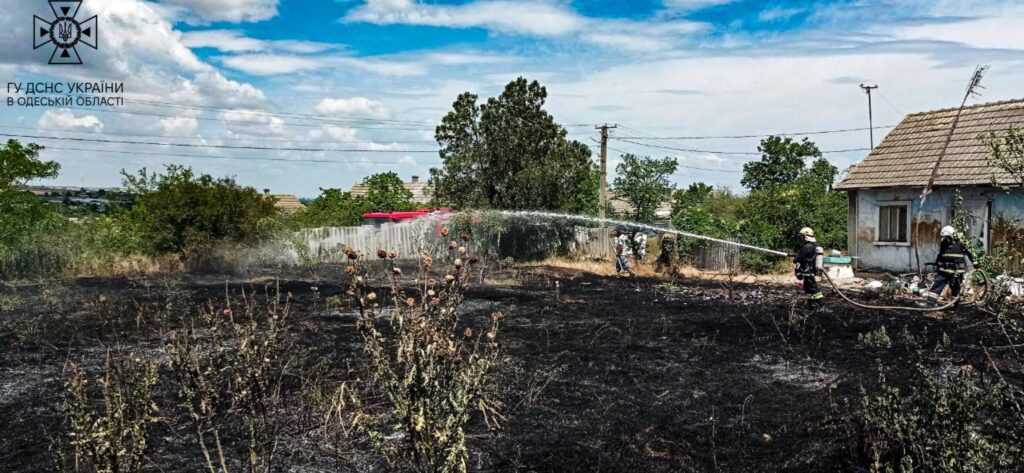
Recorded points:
(895, 307)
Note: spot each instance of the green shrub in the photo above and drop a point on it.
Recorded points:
(179, 211)
(954, 424)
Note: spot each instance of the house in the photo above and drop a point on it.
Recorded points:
(621, 206)
(885, 188)
(285, 202)
(422, 192)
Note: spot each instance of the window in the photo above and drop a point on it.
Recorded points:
(892, 223)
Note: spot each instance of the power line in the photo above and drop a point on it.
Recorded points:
(728, 137)
(239, 158)
(684, 166)
(135, 135)
(193, 145)
(280, 114)
(250, 122)
(750, 153)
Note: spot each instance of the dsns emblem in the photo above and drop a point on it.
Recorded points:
(65, 32)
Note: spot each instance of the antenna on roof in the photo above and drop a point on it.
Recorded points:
(973, 87)
(975, 83)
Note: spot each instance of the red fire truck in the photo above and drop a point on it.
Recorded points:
(438, 217)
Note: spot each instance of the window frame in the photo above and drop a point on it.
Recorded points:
(907, 205)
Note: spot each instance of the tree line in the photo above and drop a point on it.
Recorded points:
(502, 153)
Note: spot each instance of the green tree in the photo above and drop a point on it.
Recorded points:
(782, 162)
(773, 216)
(705, 210)
(693, 195)
(332, 208)
(643, 182)
(510, 154)
(180, 210)
(20, 164)
(387, 193)
(20, 211)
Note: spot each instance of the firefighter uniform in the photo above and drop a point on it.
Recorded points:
(807, 271)
(952, 265)
(666, 260)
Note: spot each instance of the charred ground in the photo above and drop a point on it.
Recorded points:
(602, 374)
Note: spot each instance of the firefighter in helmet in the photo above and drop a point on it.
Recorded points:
(667, 259)
(807, 264)
(952, 265)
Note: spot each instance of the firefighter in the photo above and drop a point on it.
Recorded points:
(621, 252)
(807, 267)
(667, 260)
(640, 246)
(952, 265)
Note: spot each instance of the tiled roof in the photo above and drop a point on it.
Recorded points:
(906, 156)
(287, 202)
(421, 191)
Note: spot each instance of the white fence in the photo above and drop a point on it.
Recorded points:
(415, 238)
(408, 239)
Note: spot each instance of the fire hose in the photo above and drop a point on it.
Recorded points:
(950, 305)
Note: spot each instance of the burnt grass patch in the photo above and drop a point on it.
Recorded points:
(599, 373)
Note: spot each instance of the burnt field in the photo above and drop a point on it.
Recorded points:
(597, 373)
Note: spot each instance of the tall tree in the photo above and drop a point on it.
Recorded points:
(782, 162)
(643, 182)
(510, 154)
(387, 193)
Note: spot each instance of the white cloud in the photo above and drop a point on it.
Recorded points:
(693, 4)
(335, 133)
(513, 17)
(179, 126)
(253, 123)
(991, 32)
(778, 13)
(530, 18)
(230, 41)
(234, 11)
(354, 107)
(273, 64)
(66, 120)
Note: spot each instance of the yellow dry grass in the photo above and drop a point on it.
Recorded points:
(134, 265)
(646, 269)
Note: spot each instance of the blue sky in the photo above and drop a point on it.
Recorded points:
(370, 79)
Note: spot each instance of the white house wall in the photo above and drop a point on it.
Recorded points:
(1007, 210)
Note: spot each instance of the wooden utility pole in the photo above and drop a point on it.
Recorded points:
(871, 124)
(603, 185)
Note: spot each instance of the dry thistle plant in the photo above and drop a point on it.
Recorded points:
(229, 364)
(111, 438)
(427, 369)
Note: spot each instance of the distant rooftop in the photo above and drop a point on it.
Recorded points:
(285, 202)
(422, 193)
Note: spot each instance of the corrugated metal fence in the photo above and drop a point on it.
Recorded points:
(715, 256)
(417, 238)
(595, 242)
(408, 239)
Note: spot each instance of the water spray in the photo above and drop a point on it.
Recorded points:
(623, 223)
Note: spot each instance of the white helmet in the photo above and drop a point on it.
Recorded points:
(807, 232)
(948, 231)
